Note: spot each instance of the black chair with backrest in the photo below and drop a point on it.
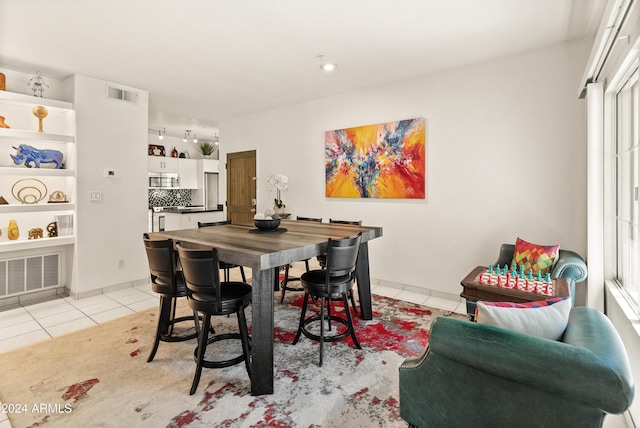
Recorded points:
(322, 258)
(226, 267)
(168, 282)
(336, 280)
(210, 297)
(284, 285)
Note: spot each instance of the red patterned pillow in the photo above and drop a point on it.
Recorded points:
(539, 258)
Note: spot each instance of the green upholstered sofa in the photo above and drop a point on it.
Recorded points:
(569, 266)
(474, 375)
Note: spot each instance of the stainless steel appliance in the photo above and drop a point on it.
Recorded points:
(210, 191)
(164, 180)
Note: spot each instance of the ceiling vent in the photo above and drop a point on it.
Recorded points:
(122, 94)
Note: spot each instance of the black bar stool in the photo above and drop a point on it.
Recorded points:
(167, 281)
(210, 297)
(284, 284)
(226, 267)
(322, 258)
(331, 283)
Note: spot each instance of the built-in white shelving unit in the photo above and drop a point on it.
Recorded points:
(28, 265)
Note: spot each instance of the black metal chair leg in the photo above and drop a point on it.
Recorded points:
(156, 343)
(174, 305)
(283, 285)
(196, 320)
(353, 301)
(244, 337)
(244, 278)
(301, 324)
(321, 328)
(350, 321)
(202, 348)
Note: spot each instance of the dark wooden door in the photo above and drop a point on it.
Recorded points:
(241, 186)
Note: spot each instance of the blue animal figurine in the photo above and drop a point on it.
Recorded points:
(28, 154)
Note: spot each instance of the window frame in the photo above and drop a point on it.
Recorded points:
(628, 282)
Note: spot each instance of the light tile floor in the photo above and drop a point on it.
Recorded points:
(24, 325)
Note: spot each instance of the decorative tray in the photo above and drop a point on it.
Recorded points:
(278, 230)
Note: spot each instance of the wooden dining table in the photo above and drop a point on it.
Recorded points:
(264, 253)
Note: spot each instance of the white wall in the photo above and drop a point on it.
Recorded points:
(506, 157)
(111, 134)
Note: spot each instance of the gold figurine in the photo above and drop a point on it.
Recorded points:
(40, 112)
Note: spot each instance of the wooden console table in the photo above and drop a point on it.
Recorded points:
(473, 291)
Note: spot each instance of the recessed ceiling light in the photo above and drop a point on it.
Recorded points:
(328, 66)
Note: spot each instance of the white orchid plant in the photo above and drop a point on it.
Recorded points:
(279, 183)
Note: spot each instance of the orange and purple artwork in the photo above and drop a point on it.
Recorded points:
(386, 160)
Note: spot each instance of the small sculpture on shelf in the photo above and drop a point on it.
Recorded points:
(13, 232)
(27, 154)
(37, 85)
(3, 201)
(58, 197)
(35, 233)
(52, 229)
(2, 123)
(31, 190)
(40, 112)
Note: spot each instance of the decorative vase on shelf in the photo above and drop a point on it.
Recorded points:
(13, 232)
(40, 112)
(2, 124)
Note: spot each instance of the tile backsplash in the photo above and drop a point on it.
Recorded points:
(169, 197)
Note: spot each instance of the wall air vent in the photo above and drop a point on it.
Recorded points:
(122, 94)
(29, 274)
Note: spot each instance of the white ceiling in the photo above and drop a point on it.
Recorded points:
(207, 60)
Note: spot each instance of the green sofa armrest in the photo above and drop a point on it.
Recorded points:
(570, 266)
(592, 330)
(593, 370)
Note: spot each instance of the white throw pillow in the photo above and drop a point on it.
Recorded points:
(547, 319)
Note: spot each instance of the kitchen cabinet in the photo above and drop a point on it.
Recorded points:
(209, 165)
(188, 172)
(174, 221)
(206, 166)
(162, 164)
(37, 264)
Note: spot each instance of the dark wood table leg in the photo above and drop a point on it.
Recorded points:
(262, 331)
(364, 282)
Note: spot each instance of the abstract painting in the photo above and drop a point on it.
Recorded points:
(386, 160)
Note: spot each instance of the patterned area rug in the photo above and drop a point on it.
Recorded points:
(99, 377)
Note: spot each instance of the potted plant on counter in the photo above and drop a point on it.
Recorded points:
(206, 149)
